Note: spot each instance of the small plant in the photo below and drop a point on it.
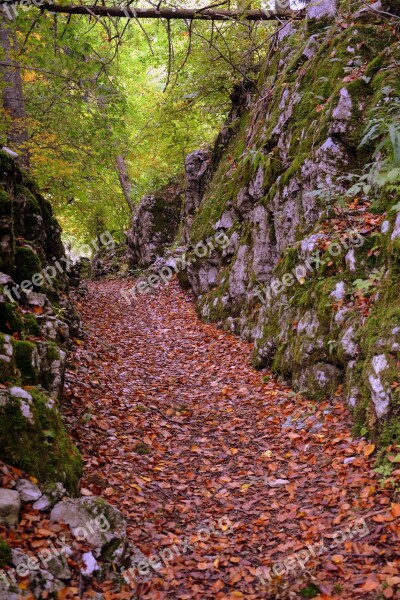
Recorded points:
(142, 448)
(310, 591)
(5, 554)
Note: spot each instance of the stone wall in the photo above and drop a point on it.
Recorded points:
(35, 324)
(278, 191)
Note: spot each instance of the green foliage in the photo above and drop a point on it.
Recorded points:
(93, 94)
(5, 554)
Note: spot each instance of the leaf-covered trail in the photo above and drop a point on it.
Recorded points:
(180, 433)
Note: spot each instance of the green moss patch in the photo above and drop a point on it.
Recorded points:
(42, 448)
(27, 264)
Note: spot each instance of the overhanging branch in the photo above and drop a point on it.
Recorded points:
(189, 14)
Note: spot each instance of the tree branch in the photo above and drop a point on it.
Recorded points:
(162, 13)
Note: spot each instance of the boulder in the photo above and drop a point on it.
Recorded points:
(98, 523)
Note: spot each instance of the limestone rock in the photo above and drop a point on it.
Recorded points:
(91, 564)
(154, 225)
(10, 504)
(28, 491)
(100, 524)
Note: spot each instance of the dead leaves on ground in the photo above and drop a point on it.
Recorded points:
(177, 430)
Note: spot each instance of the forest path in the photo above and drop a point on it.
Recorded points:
(179, 432)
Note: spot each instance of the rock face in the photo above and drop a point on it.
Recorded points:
(33, 335)
(301, 275)
(155, 225)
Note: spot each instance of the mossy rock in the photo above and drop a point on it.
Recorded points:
(10, 320)
(41, 448)
(31, 326)
(5, 205)
(27, 264)
(8, 373)
(26, 358)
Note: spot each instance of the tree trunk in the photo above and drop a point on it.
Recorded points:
(12, 94)
(125, 182)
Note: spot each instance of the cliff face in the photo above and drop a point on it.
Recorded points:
(311, 270)
(154, 225)
(36, 319)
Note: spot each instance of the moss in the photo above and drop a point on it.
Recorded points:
(5, 554)
(142, 448)
(25, 360)
(31, 325)
(5, 204)
(390, 431)
(10, 320)
(42, 448)
(374, 66)
(27, 263)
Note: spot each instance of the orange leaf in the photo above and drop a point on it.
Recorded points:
(371, 584)
(369, 448)
(395, 509)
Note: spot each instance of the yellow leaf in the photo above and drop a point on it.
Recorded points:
(369, 448)
(233, 451)
(245, 487)
(267, 454)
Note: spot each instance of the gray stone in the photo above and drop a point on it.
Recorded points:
(276, 483)
(6, 280)
(52, 494)
(98, 523)
(91, 564)
(380, 390)
(10, 505)
(28, 491)
(58, 567)
(311, 47)
(154, 225)
(317, 9)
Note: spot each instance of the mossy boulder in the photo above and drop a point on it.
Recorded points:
(33, 438)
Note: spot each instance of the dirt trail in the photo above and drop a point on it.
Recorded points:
(180, 433)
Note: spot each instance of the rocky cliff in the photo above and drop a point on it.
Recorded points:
(36, 319)
(307, 191)
(154, 225)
